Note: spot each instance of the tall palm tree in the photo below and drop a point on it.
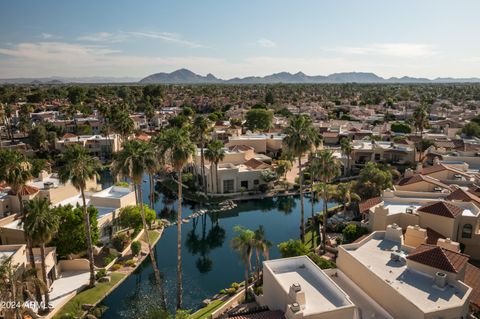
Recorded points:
(178, 149)
(15, 170)
(420, 121)
(214, 154)
(40, 225)
(79, 167)
(244, 244)
(262, 246)
(347, 149)
(201, 127)
(133, 161)
(300, 138)
(328, 169)
(123, 125)
(345, 195)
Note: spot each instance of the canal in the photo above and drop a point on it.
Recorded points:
(209, 263)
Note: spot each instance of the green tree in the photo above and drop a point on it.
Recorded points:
(123, 125)
(420, 119)
(40, 225)
(292, 248)
(471, 129)
(131, 217)
(282, 167)
(345, 195)
(300, 138)
(259, 120)
(38, 138)
(133, 161)
(262, 247)
(178, 149)
(401, 127)
(201, 128)
(352, 232)
(347, 149)
(214, 154)
(244, 243)
(71, 237)
(79, 167)
(372, 180)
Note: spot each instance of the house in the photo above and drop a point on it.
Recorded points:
(427, 281)
(261, 143)
(379, 151)
(97, 145)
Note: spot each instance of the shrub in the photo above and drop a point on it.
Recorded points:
(321, 262)
(263, 188)
(136, 248)
(292, 248)
(122, 184)
(352, 232)
(258, 290)
(108, 259)
(235, 285)
(120, 241)
(231, 291)
(116, 267)
(223, 292)
(101, 273)
(130, 263)
(130, 217)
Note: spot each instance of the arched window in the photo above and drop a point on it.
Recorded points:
(467, 231)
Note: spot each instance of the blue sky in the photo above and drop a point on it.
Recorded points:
(427, 38)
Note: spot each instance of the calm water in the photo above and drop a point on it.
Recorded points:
(209, 263)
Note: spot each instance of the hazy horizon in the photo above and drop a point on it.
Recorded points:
(427, 39)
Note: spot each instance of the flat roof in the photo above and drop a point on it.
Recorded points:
(113, 192)
(398, 208)
(5, 254)
(77, 200)
(417, 287)
(321, 293)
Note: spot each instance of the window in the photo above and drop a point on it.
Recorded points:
(228, 186)
(244, 184)
(467, 231)
(256, 182)
(377, 157)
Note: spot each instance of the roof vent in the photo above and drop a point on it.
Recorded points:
(47, 185)
(295, 307)
(440, 279)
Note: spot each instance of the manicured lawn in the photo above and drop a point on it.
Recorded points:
(152, 236)
(206, 311)
(308, 238)
(90, 296)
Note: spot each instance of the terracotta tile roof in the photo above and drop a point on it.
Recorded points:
(440, 258)
(277, 314)
(421, 178)
(330, 134)
(472, 279)
(463, 196)
(433, 236)
(143, 137)
(69, 135)
(256, 164)
(441, 167)
(26, 190)
(240, 148)
(369, 203)
(441, 208)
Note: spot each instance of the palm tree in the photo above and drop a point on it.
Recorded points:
(133, 161)
(40, 225)
(262, 246)
(347, 149)
(123, 125)
(15, 170)
(300, 138)
(244, 244)
(178, 149)
(328, 169)
(420, 120)
(78, 168)
(201, 127)
(346, 195)
(214, 154)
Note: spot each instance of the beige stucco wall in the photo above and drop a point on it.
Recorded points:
(417, 187)
(19, 258)
(11, 236)
(259, 145)
(74, 265)
(235, 175)
(443, 225)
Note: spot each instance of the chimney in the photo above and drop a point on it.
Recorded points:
(440, 279)
(296, 294)
(436, 160)
(415, 236)
(449, 244)
(42, 175)
(394, 233)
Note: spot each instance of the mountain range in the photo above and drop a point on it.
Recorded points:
(184, 76)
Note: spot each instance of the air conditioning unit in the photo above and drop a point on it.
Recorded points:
(295, 307)
(47, 185)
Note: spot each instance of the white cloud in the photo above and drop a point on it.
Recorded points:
(46, 35)
(399, 50)
(122, 36)
(266, 43)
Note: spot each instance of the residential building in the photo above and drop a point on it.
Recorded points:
(97, 145)
(379, 151)
(261, 143)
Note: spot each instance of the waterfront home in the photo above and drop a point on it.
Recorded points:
(423, 282)
(454, 215)
(261, 143)
(378, 151)
(97, 145)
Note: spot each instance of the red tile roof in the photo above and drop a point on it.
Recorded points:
(143, 137)
(369, 203)
(464, 196)
(25, 190)
(472, 279)
(441, 167)
(421, 178)
(433, 236)
(256, 164)
(69, 135)
(441, 208)
(438, 257)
